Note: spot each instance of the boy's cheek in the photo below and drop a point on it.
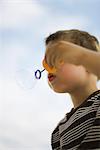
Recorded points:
(70, 70)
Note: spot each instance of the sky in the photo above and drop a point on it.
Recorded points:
(29, 109)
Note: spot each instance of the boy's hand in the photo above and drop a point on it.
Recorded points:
(67, 52)
(63, 51)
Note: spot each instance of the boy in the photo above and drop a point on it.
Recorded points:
(80, 128)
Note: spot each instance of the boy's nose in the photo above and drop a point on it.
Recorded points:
(49, 69)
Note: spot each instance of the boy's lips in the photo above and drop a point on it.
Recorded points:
(51, 77)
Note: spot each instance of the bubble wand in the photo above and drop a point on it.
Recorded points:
(47, 68)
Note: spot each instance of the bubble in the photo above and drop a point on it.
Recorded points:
(25, 78)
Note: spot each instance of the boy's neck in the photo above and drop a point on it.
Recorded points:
(79, 96)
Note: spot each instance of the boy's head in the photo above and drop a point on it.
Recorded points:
(78, 37)
(69, 76)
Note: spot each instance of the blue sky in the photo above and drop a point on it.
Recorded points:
(28, 115)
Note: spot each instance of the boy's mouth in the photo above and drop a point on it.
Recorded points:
(51, 77)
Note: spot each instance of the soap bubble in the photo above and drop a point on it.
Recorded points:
(25, 78)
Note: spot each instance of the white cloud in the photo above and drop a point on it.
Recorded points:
(80, 1)
(24, 13)
(55, 23)
(24, 114)
(19, 13)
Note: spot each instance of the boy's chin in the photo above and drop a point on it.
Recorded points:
(57, 90)
(61, 90)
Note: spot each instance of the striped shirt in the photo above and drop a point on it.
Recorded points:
(80, 128)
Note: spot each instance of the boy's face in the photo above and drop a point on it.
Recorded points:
(67, 78)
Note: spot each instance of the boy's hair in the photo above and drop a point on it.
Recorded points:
(75, 36)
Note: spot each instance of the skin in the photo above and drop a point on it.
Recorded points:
(73, 79)
(74, 54)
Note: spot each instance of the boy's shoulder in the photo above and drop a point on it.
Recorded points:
(76, 121)
(91, 103)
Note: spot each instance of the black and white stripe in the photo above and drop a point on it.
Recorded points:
(80, 129)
